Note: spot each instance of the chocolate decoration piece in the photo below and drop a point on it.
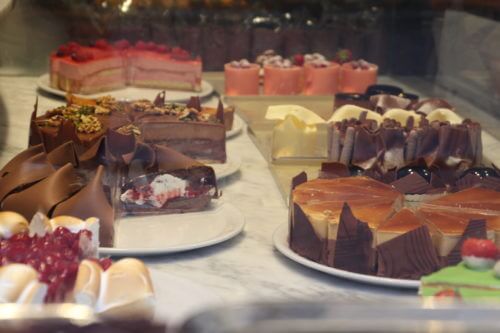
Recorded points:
(366, 148)
(35, 137)
(160, 99)
(93, 156)
(481, 172)
(44, 195)
(387, 89)
(169, 159)
(194, 102)
(120, 146)
(474, 229)
(422, 171)
(62, 155)
(333, 170)
(14, 163)
(360, 100)
(383, 102)
(412, 184)
(302, 238)
(408, 256)
(91, 201)
(220, 112)
(26, 173)
(352, 248)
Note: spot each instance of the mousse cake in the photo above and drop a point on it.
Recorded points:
(107, 66)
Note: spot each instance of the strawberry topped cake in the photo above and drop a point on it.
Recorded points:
(105, 66)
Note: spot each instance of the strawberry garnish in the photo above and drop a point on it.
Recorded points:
(81, 55)
(63, 50)
(151, 46)
(298, 59)
(162, 48)
(180, 54)
(481, 248)
(73, 47)
(342, 56)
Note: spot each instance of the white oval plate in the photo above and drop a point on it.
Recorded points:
(129, 93)
(170, 233)
(178, 298)
(232, 165)
(280, 240)
(238, 125)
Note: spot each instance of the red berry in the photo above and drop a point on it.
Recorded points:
(162, 48)
(101, 44)
(140, 45)
(105, 263)
(151, 46)
(298, 59)
(180, 54)
(447, 293)
(81, 55)
(482, 248)
(122, 44)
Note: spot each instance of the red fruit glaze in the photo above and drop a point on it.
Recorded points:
(162, 48)
(482, 248)
(180, 54)
(81, 55)
(140, 45)
(298, 59)
(122, 44)
(55, 256)
(101, 44)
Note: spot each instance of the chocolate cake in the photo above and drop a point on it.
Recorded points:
(380, 236)
(110, 172)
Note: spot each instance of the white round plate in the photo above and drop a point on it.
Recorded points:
(238, 125)
(170, 233)
(177, 298)
(280, 240)
(129, 93)
(232, 165)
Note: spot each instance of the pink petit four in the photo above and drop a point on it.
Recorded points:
(241, 78)
(281, 77)
(356, 76)
(321, 76)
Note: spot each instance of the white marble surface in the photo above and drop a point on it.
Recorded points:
(245, 268)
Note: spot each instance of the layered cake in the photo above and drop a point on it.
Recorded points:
(476, 277)
(54, 261)
(321, 76)
(393, 237)
(241, 78)
(106, 66)
(357, 75)
(190, 129)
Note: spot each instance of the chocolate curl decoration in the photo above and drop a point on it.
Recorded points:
(168, 159)
(220, 112)
(474, 229)
(14, 163)
(348, 146)
(383, 102)
(296, 181)
(333, 143)
(194, 102)
(160, 99)
(120, 147)
(63, 154)
(367, 149)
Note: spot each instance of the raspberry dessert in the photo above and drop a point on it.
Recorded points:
(321, 75)
(106, 66)
(357, 75)
(282, 77)
(241, 78)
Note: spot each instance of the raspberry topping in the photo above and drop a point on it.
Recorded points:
(298, 59)
(81, 55)
(56, 257)
(63, 51)
(481, 248)
(162, 48)
(101, 44)
(180, 54)
(141, 45)
(122, 44)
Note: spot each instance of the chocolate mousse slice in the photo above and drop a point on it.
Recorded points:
(179, 184)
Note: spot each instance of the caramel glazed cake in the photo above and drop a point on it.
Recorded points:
(102, 158)
(401, 200)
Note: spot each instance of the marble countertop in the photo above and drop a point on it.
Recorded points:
(244, 268)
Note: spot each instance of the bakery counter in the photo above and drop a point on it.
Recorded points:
(246, 267)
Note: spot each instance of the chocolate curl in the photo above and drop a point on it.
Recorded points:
(454, 142)
(220, 112)
(352, 250)
(14, 163)
(333, 143)
(44, 195)
(120, 147)
(296, 181)
(411, 184)
(427, 144)
(426, 106)
(27, 172)
(160, 99)
(394, 141)
(474, 229)
(346, 154)
(411, 146)
(194, 102)
(63, 154)
(35, 137)
(408, 256)
(367, 149)
(474, 130)
(91, 201)
(410, 123)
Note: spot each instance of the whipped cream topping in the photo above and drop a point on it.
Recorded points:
(263, 58)
(161, 189)
(243, 63)
(361, 64)
(278, 61)
(316, 60)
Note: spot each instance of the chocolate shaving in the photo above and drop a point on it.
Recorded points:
(35, 137)
(220, 112)
(91, 201)
(366, 149)
(14, 163)
(428, 105)
(383, 102)
(302, 238)
(62, 155)
(474, 229)
(169, 159)
(408, 256)
(412, 184)
(194, 102)
(352, 248)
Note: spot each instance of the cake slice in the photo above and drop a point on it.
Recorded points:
(400, 223)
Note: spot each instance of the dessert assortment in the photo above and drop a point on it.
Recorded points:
(477, 276)
(104, 158)
(348, 220)
(308, 74)
(54, 261)
(105, 66)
